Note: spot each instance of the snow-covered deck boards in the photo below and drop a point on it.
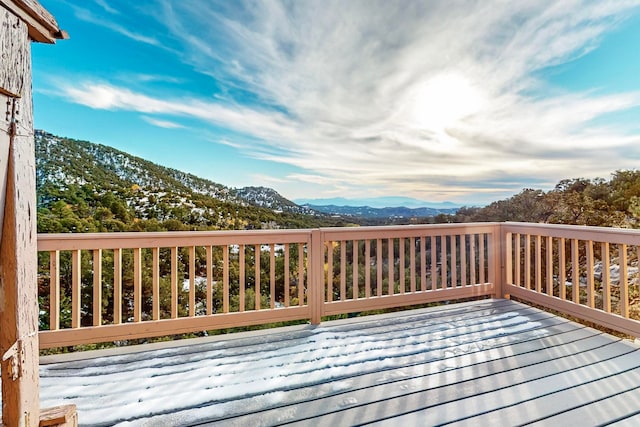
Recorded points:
(490, 362)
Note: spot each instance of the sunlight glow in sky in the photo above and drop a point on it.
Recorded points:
(461, 101)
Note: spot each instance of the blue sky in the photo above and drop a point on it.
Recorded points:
(460, 101)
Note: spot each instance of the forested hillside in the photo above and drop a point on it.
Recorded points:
(597, 202)
(86, 187)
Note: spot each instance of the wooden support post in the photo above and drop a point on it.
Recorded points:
(18, 262)
(20, 22)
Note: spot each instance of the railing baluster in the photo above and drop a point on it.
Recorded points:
(538, 263)
(379, 267)
(575, 269)
(192, 281)
(624, 282)
(155, 286)
(287, 275)
(443, 262)
(392, 265)
(401, 277)
(412, 264)
(97, 287)
(209, 274)
(482, 258)
(242, 279)
(591, 299)
(330, 271)
(517, 260)
(454, 262)
(423, 263)
(117, 285)
(54, 290)
(367, 268)
(527, 261)
(463, 260)
(301, 273)
(562, 268)
(272, 276)
(174, 282)
(76, 274)
(343, 270)
(508, 262)
(434, 264)
(354, 268)
(137, 285)
(225, 278)
(472, 256)
(549, 265)
(606, 277)
(258, 260)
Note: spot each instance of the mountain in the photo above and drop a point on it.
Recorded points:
(269, 198)
(387, 213)
(82, 186)
(377, 202)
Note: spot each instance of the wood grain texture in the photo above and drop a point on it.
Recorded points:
(15, 54)
(4, 157)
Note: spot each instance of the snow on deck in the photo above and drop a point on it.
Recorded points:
(490, 362)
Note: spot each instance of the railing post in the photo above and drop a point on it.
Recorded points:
(315, 293)
(496, 261)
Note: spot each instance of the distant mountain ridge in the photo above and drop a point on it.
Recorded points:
(388, 212)
(377, 202)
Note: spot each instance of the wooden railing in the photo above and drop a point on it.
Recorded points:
(587, 272)
(118, 286)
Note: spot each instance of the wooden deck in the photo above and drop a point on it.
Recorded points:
(490, 362)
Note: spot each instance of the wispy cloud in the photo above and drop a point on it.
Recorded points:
(88, 16)
(167, 124)
(107, 8)
(407, 97)
(149, 78)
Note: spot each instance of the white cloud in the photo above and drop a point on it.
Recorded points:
(146, 78)
(406, 97)
(107, 8)
(167, 124)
